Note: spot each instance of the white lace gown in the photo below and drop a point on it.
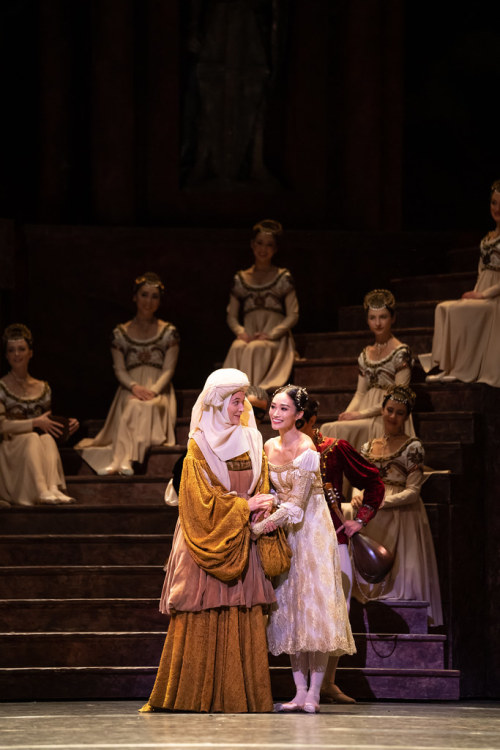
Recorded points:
(311, 612)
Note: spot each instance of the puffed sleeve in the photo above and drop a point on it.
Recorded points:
(292, 505)
(233, 310)
(290, 319)
(363, 475)
(13, 426)
(414, 464)
(402, 365)
(169, 361)
(213, 520)
(118, 357)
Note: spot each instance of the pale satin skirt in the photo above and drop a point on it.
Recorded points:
(267, 364)
(29, 465)
(466, 340)
(405, 531)
(357, 432)
(132, 426)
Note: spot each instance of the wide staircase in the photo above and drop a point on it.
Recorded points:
(81, 583)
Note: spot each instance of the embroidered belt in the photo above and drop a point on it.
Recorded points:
(244, 465)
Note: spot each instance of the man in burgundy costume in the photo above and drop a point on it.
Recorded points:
(339, 459)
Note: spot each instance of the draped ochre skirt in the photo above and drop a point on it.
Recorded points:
(214, 661)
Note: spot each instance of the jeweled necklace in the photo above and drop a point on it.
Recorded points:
(387, 438)
(23, 382)
(379, 347)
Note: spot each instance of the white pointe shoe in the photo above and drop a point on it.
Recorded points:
(126, 469)
(62, 497)
(48, 498)
(435, 378)
(108, 470)
(447, 378)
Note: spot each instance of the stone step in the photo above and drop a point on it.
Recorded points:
(350, 343)
(460, 427)
(431, 397)
(84, 549)
(136, 648)
(113, 615)
(369, 684)
(81, 649)
(397, 650)
(117, 490)
(437, 286)
(108, 683)
(81, 581)
(88, 519)
(419, 313)
(389, 616)
(159, 462)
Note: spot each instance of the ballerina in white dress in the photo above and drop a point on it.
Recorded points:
(310, 621)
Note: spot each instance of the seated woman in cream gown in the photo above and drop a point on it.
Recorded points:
(143, 412)
(310, 621)
(466, 344)
(30, 464)
(386, 362)
(265, 296)
(401, 523)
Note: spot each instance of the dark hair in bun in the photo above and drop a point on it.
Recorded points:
(299, 396)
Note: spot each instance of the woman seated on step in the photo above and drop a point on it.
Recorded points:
(401, 523)
(30, 464)
(467, 331)
(215, 655)
(386, 362)
(143, 412)
(265, 296)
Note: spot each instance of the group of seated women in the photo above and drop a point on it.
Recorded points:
(234, 581)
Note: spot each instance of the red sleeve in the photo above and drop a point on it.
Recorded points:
(363, 475)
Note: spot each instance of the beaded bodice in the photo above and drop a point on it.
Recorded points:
(490, 253)
(382, 373)
(395, 467)
(150, 352)
(20, 407)
(269, 296)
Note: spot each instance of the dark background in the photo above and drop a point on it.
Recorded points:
(380, 138)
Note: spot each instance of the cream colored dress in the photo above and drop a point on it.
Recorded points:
(132, 426)
(466, 340)
(29, 463)
(375, 376)
(311, 612)
(402, 526)
(271, 308)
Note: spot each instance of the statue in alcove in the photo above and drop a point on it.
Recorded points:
(232, 54)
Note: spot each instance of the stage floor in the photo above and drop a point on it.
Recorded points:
(374, 726)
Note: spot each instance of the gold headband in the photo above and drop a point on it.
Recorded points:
(403, 394)
(268, 226)
(378, 299)
(140, 280)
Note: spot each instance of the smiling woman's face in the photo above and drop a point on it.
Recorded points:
(283, 412)
(235, 407)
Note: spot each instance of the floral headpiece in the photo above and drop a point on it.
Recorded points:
(268, 226)
(300, 397)
(401, 393)
(151, 280)
(378, 299)
(18, 331)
